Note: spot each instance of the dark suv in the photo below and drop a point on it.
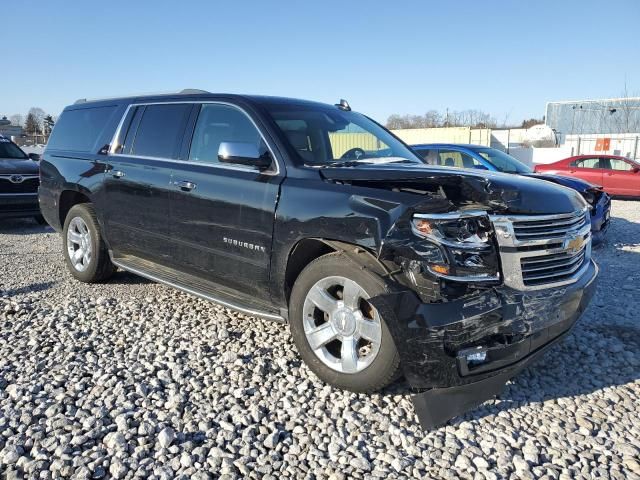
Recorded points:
(317, 216)
(19, 179)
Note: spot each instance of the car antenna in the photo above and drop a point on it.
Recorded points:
(343, 105)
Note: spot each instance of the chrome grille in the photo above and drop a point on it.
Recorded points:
(551, 268)
(28, 184)
(550, 227)
(542, 251)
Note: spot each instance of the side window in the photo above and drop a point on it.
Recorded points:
(430, 156)
(587, 163)
(160, 130)
(451, 158)
(620, 165)
(222, 123)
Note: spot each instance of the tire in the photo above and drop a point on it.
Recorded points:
(95, 264)
(40, 220)
(376, 364)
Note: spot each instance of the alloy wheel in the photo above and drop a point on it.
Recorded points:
(342, 328)
(79, 244)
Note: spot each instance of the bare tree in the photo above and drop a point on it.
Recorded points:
(433, 118)
(38, 114)
(17, 119)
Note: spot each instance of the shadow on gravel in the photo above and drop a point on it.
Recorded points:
(33, 288)
(125, 278)
(23, 226)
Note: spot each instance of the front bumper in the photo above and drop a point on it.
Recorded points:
(439, 343)
(19, 205)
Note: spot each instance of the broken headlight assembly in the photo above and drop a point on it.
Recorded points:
(467, 242)
(592, 196)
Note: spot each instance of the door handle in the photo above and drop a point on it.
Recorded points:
(117, 174)
(185, 185)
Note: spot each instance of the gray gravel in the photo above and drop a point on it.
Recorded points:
(132, 379)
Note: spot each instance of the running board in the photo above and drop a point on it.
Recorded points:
(190, 284)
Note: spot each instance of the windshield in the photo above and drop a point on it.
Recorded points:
(502, 161)
(10, 150)
(326, 135)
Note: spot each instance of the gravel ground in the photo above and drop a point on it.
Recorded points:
(132, 379)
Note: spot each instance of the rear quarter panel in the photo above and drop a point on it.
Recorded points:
(82, 172)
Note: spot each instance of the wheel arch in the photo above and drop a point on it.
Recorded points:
(69, 198)
(308, 249)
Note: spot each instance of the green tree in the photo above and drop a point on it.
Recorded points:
(48, 123)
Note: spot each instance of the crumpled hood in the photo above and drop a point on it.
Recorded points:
(493, 191)
(571, 182)
(24, 167)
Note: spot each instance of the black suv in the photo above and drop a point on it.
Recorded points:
(19, 179)
(317, 216)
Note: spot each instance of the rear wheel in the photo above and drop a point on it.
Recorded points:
(339, 334)
(85, 252)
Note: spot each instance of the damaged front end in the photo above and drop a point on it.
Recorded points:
(491, 271)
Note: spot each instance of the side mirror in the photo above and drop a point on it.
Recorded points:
(35, 157)
(242, 153)
(635, 169)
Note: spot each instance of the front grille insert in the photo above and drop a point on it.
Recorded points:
(543, 251)
(547, 228)
(551, 268)
(29, 184)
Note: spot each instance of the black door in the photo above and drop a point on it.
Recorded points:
(222, 215)
(138, 180)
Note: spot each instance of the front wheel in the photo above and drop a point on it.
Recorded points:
(341, 337)
(85, 252)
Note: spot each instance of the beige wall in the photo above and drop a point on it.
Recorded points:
(479, 136)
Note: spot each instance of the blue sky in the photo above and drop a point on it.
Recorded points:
(506, 58)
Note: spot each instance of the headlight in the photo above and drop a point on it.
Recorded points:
(589, 197)
(592, 195)
(467, 240)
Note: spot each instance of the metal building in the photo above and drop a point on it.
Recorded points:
(594, 117)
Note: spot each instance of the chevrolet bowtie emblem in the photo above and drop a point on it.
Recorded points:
(573, 244)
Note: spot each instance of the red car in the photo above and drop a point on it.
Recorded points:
(619, 176)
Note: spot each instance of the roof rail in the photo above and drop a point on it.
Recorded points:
(184, 91)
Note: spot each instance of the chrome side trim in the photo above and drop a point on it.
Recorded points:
(116, 135)
(248, 311)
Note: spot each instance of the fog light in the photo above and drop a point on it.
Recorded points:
(476, 357)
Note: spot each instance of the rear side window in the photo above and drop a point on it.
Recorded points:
(78, 130)
(160, 131)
